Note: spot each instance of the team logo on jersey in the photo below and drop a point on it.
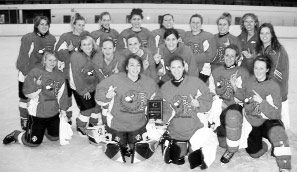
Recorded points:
(52, 88)
(182, 106)
(252, 107)
(48, 48)
(196, 48)
(220, 54)
(88, 73)
(224, 88)
(271, 52)
(133, 101)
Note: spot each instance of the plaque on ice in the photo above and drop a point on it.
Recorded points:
(155, 109)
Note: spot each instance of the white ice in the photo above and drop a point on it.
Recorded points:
(80, 156)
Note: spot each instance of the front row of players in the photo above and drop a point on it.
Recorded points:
(238, 111)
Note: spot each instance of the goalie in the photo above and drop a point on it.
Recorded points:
(123, 98)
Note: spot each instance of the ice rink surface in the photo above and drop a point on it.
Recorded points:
(80, 156)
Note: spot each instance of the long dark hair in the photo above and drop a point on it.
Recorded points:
(275, 44)
(162, 19)
(37, 21)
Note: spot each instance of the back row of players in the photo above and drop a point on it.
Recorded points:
(223, 61)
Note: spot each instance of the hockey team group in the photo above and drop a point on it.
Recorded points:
(215, 89)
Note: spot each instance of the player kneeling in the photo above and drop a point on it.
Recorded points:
(123, 98)
(186, 99)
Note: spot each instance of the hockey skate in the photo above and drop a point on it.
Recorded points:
(113, 151)
(10, 137)
(227, 157)
(81, 131)
(143, 150)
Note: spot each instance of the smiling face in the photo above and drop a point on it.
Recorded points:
(79, 26)
(133, 45)
(86, 46)
(177, 69)
(230, 57)
(171, 42)
(223, 26)
(108, 50)
(43, 26)
(105, 21)
(260, 70)
(168, 22)
(133, 68)
(265, 36)
(249, 24)
(50, 62)
(136, 21)
(195, 24)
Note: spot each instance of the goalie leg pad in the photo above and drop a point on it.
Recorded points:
(177, 151)
(114, 152)
(143, 151)
(196, 159)
(233, 121)
(255, 144)
(282, 150)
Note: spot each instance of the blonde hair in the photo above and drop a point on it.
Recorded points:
(45, 55)
(90, 39)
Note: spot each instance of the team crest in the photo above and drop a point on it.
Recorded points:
(220, 54)
(196, 48)
(181, 106)
(52, 88)
(133, 101)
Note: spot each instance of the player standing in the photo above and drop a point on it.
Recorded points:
(105, 31)
(147, 39)
(202, 44)
(33, 47)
